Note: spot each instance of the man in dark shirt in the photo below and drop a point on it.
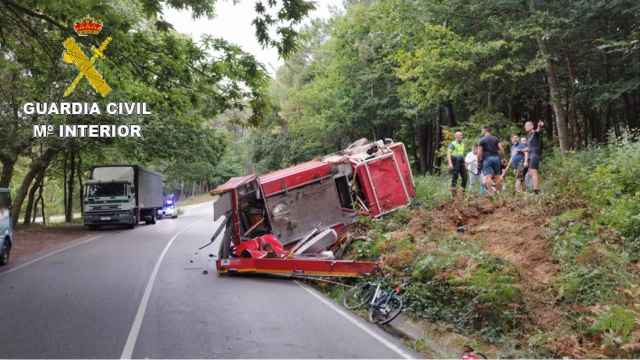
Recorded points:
(489, 155)
(532, 157)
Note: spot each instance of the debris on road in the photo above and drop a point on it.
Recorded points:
(293, 221)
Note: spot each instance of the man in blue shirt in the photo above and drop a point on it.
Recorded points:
(518, 149)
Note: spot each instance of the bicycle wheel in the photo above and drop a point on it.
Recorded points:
(357, 296)
(384, 312)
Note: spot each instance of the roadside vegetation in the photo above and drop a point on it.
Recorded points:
(539, 276)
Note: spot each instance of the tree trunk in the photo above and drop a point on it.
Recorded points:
(451, 117)
(37, 165)
(30, 212)
(68, 208)
(80, 184)
(7, 171)
(65, 195)
(421, 145)
(44, 217)
(554, 88)
(555, 97)
(438, 136)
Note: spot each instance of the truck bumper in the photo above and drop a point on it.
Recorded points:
(297, 267)
(108, 217)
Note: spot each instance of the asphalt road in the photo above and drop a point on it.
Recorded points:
(142, 293)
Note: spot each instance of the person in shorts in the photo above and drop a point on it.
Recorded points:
(516, 161)
(533, 156)
(489, 155)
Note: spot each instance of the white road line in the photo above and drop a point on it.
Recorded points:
(391, 346)
(33, 261)
(127, 352)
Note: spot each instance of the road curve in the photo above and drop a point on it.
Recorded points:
(142, 293)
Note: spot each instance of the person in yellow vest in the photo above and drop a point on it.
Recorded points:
(457, 168)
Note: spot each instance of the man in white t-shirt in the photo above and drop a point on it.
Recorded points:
(471, 162)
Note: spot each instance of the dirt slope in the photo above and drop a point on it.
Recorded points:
(509, 230)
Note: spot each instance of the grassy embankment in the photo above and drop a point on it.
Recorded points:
(549, 275)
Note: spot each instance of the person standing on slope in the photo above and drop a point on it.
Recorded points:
(455, 156)
(533, 156)
(516, 161)
(489, 155)
(471, 161)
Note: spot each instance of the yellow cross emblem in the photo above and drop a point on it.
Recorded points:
(74, 55)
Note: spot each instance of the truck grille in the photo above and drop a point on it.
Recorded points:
(105, 207)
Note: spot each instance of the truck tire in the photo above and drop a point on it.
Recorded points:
(92, 227)
(152, 220)
(134, 221)
(5, 252)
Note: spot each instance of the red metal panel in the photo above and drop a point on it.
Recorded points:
(400, 153)
(297, 266)
(387, 184)
(233, 183)
(386, 181)
(293, 177)
(366, 186)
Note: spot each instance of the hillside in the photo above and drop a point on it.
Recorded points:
(538, 276)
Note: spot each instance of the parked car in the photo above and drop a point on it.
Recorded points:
(6, 233)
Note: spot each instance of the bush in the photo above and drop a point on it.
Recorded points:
(592, 270)
(608, 179)
(432, 190)
(617, 320)
(463, 285)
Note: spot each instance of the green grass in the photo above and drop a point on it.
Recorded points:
(431, 191)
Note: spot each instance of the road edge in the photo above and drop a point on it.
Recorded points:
(354, 320)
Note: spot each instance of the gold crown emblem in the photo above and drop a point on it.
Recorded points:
(87, 26)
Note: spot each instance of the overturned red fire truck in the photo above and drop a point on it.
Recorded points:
(288, 222)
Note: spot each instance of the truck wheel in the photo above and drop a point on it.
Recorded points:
(92, 227)
(134, 222)
(152, 220)
(4, 254)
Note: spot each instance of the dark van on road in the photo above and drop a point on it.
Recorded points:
(6, 233)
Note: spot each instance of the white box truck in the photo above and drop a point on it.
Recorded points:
(122, 194)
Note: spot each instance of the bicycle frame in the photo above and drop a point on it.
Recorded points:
(380, 297)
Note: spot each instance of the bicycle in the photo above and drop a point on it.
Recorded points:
(384, 305)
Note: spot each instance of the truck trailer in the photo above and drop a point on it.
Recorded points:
(122, 194)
